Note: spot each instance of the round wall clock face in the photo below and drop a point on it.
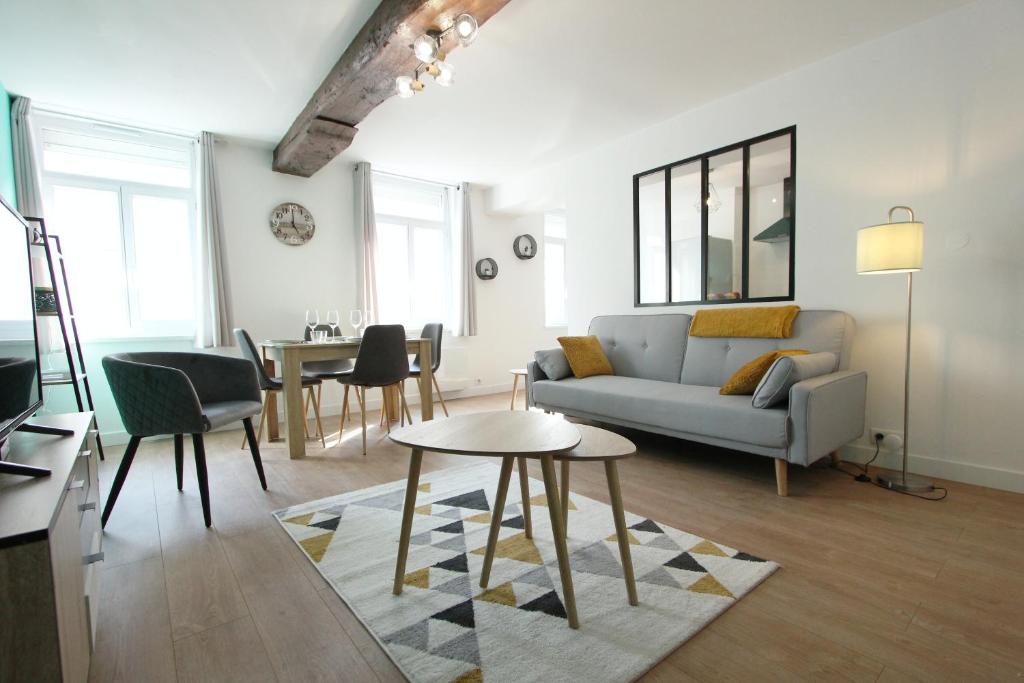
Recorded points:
(487, 269)
(525, 246)
(292, 223)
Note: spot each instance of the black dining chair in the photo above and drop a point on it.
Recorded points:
(325, 370)
(433, 332)
(268, 384)
(381, 362)
(181, 393)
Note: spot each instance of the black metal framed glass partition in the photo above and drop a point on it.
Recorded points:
(718, 227)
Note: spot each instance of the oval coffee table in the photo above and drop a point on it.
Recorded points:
(511, 435)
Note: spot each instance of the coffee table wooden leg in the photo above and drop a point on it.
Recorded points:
(524, 492)
(496, 513)
(621, 533)
(558, 532)
(564, 486)
(515, 386)
(407, 512)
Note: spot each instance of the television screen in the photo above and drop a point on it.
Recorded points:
(20, 384)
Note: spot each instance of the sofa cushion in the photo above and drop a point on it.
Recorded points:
(644, 346)
(553, 362)
(225, 412)
(680, 407)
(585, 356)
(710, 361)
(785, 372)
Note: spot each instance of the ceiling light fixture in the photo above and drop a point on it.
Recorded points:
(428, 49)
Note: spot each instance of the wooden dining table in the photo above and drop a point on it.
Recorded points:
(292, 354)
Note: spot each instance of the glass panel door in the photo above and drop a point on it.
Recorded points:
(685, 233)
(724, 201)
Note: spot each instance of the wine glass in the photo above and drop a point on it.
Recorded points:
(312, 320)
(355, 317)
(333, 321)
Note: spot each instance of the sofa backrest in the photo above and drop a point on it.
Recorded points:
(644, 346)
(710, 361)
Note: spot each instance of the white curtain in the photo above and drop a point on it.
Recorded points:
(26, 169)
(366, 222)
(213, 314)
(466, 292)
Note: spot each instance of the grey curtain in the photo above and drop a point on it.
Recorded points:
(366, 223)
(26, 170)
(213, 315)
(466, 295)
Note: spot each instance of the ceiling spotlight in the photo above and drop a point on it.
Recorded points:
(445, 75)
(407, 87)
(426, 47)
(465, 28)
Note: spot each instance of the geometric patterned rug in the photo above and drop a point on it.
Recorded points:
(445, 628)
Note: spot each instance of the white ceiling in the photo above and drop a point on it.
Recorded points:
(545, 78)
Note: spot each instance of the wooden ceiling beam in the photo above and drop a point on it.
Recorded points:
(364, 77)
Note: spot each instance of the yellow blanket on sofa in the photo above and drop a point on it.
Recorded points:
(773, 322)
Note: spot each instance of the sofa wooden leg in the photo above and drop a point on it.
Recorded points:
(834, 455)
(782, 476)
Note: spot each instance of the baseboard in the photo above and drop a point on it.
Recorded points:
(967, 473)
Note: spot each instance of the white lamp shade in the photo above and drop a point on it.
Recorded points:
(890, 248)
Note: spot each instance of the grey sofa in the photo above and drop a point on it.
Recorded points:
(667, 382)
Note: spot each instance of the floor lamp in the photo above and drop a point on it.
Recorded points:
(896, 248)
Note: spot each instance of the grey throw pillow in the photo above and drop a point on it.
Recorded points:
(554, 363)
(787, 371)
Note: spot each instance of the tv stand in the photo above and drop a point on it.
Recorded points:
(50, 555)
(30, 470)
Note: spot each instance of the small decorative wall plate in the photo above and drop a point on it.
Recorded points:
(487, 269)
(292, 224)
(525, 246)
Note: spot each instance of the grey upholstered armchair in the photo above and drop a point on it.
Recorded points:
(181, 393)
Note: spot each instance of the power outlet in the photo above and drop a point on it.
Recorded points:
(891, 439)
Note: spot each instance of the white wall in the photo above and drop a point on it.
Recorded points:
(510, 308)
(931, 116)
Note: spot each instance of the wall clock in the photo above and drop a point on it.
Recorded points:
(525, 246)
(487, 269)
(292, 223)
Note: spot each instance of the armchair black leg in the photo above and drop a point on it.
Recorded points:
(204, 483)
(254, 448)
(122, 473)
(179, 458)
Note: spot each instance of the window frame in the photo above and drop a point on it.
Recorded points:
(704, 159)
(444, 226)
(562, 241)
(125, 189)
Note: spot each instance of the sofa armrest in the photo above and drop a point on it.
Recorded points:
(533, 374)
(825, 412)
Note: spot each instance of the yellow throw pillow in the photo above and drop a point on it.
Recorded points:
(746, 379)
(586, 357)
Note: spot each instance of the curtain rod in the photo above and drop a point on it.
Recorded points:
(418, 180)
(128, 127)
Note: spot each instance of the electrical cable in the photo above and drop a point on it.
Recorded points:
(863, 476)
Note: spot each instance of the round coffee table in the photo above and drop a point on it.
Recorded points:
(511, 435)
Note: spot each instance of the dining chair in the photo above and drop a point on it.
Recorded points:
(268, 384)
(326, 369)
(381, 362)
(433, 332)
(181, 393)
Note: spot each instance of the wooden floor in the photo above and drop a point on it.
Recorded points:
(874, 586)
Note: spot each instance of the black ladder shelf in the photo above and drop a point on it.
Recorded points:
(76, 376)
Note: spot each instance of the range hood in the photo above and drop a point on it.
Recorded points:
(779, 231)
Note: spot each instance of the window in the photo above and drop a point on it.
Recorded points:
(414, 251)
(122, 201)
(554, 270)
(718, 227)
